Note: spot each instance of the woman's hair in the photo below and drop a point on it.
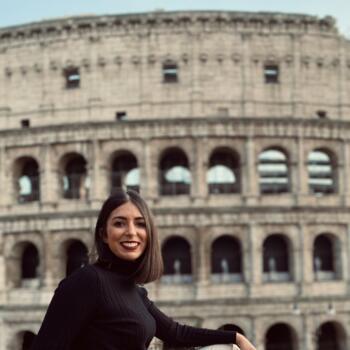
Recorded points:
(151, 263)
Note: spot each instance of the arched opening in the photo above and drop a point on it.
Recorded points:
(125, 172)
(27, 180)
(322, 172)
(280, 336)
(175, 176)
(75, 180)
(27, 340)
(232, 328)
(226, 260)
(76, 255)
(176, 253)
(224, 173)
(276, 259)
(273, 171)
(30, 266)
(325, 258)
(330, 336)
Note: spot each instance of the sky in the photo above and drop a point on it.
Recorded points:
(14, 12)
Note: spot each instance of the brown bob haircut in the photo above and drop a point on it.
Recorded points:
(151, 263)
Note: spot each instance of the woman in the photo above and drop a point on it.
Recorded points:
(102, 307)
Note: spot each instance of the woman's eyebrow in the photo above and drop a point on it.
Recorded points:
(125, 218)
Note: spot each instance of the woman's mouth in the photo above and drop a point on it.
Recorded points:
(130, 245)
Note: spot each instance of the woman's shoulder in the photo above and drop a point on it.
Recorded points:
(84, 278)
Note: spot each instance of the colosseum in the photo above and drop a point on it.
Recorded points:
(234, 126)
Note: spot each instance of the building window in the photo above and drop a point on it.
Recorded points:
(75, 180)
(322, 172)
(170, 72)
(72, 77)
(223, 175)
(280, 336)
(27, 175)
(324, 258)
(174, 173)
(276, 259)
(121, 115)
(76, 256)
(176, 252)
(125, 173)
(271, 73)
(330, 336)
(226, 260)
(25, 123)
(27, 340)
(273, 171)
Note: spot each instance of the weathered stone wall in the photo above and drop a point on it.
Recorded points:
(222, 100)
(220, 58)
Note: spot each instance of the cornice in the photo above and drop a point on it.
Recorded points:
(145, 130)
(94, 26)
(184, 217)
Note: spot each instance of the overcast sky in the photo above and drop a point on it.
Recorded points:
(13, 12)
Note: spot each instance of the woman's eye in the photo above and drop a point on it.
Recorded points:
(141, 224)
(118, 223)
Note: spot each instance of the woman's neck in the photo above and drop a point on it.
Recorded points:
(121, 266)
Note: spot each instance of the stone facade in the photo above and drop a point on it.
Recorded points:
(158, 85)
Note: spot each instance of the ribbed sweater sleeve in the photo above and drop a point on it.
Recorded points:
(179, 335)
(71, 307)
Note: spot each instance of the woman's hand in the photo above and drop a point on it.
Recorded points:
(243, 343)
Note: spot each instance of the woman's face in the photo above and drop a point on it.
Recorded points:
(126, 233)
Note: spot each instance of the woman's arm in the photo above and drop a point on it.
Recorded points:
(178, 335)
(70, 309)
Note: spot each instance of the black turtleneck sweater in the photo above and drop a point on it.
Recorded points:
(99, 307)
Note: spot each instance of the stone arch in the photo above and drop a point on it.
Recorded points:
(331, 335)
(125, 172)
(23, 340)
(281, 336)
(224, 171)
(74, 181)
(176, 252)
(326, 254)
(76, 255)
(276, 258)
(226, 259)
(322, 166)
(232, 327)
(26, 175)
(174, 172)
(24, 265)
(274, 171)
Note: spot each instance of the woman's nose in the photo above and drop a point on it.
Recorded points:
(131, 229)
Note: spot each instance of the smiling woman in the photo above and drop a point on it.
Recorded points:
(100, 306)
(126, 234)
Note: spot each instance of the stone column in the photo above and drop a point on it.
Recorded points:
(203, 261)
(297, 98)
(46, 264)
(48, 178)
(5, 198)
(252, 260)
(298, 260)
(247, 97)
(149, 173)
(308, 340)
(97, 181)
(345, 250)
(249, 173)
(302, 187)
(307, 259)
(344, 188)
(199, 175)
